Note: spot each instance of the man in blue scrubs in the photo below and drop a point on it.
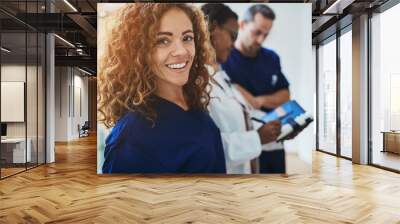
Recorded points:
(257, 72)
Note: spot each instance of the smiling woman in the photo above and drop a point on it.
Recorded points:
(152, 92)
(173, 55)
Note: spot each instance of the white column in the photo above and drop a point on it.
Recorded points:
(50, 108)
(50, 92)
(360, 90)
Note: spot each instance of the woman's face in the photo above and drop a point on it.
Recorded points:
(223, 39)
(175, 49)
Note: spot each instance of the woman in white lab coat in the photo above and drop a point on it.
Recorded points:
(227, 107)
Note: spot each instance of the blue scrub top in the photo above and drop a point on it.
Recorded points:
(180, 142)
(261, 75)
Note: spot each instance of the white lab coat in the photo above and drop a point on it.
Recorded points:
(240, 145)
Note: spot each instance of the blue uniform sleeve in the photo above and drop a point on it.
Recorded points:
(220, 167)
(123, 152)
(113, 141)
(282, 82)
(228, 68)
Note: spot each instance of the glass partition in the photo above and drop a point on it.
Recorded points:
(385, 89)
(13, 95)
(346, 94)
(327, 97)
(22, 90)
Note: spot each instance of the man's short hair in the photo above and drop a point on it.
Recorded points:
(218, 13)
(264, 10)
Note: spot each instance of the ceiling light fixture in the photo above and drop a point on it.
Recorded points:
(84, 71)
(337, 7)
(64, 40)
(5, 50)
(70, 5)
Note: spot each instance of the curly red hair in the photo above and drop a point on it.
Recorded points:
(126, 81)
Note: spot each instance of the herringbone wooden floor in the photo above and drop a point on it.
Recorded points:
(70, 191)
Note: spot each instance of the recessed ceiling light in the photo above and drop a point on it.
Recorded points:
(5, 50)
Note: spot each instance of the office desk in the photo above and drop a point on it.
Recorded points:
(13, 150)
(391, 141)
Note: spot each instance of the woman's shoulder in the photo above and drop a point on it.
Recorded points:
(207, 120)
(127, 124)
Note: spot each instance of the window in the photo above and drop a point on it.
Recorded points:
(346, 94)
(327, 97)
(385, 88)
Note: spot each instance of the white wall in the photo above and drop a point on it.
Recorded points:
(291, 39)
(80, 84)
(69, 82)
(61, 103)
(16, 73)
(33, 126)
